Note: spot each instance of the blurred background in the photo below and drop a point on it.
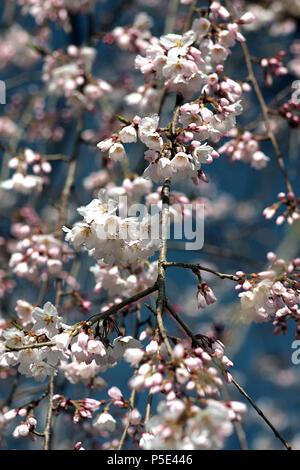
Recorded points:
(237, 235)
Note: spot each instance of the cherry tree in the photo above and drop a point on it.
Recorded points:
(117, 119)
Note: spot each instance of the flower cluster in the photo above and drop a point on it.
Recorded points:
(73, 355)
(124, 281)
(89, 356)
(272, 295)
(273, 66)
(22, 181)
(290, 111)
(291, 214)
(182, 425)
(15, 48)
(28, 424)
(185, 162)
(69, 75)
(56, 10)
(7, 127)
(82, 408)
(112, 238)
(190, 370)
(40, 257)
(184, 63)
(38, 362)
(245, 148)
(135, 38)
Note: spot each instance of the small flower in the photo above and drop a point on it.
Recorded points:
(47, 320)
(128, 134)
(104, 422)
(117, 152)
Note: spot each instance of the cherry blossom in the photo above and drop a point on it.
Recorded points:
(111, 133)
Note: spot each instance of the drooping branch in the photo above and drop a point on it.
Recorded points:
(173, 264)
(263, 105)
(115, 308)
(200, 343)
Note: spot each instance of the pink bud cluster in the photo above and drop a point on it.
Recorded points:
(135, 38)
(273, 66)
(82, 408)
(181, 424)
(15, 49)
(290, 111)
(273, 294)
(22, 181)
(205, 295)
(190, 371)
(69, 75)
(245, 148)
(291, 214)
(56, 10)
(39, 256)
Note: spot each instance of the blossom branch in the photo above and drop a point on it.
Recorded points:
(200, 343)
(173, 264)
(115, 308)
(47, 430)
(264, 107)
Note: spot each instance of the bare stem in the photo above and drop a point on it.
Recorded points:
(131, 405)
(259, 411)
(201, 268)
(124, 303)
(161, 278)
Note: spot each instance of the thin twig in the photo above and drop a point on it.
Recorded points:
(131, 405)
(71, 173)
(148, 408)
(115, 308)
(47, 430)
(259, 411)
(31, 346)
(161, 278)
(174, 264)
